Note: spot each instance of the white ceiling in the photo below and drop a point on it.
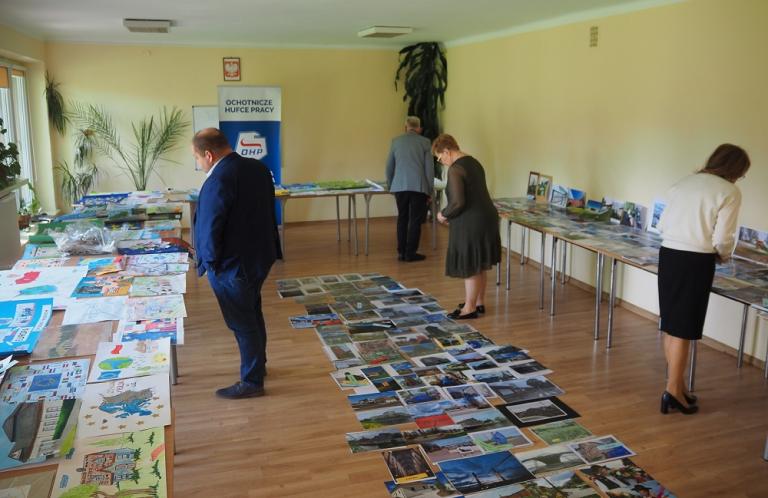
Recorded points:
(297, 22)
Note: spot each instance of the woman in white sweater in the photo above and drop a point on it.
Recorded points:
(698, 229)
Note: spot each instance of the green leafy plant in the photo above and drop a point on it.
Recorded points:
(154, 137)
(57, 114)
(424, 71)
(9, 160)
(76, 183)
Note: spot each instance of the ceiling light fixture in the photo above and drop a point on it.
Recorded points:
(147, 25)
(384, 31)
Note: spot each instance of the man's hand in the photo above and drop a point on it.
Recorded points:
(442, 219)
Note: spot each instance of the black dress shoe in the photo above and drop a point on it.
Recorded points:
(456, 315)
(240, 390)
(669, 402)
(415, 257)
(691, 399)
(480, 308)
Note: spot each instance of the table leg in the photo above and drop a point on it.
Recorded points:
(367, 198)
(498, 267)
(338, 221)
(541, 270)
(564, 262)
(765, 450)
(744, 316)
(283, 202)
(692, 371)
(434, 220)
(354, 220)
(598, 294)
(765, 368)
(553, 271)
(509, 252)
(523, 232)
(349, 218)
(174, 365)
(611, 303)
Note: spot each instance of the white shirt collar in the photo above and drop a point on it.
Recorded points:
(208, 175)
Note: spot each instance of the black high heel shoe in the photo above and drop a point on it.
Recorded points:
(670, 402)
(456, 315)
(480, 307)
(691, 399)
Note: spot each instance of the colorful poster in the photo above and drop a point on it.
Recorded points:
(45, 381)
(35, 431)
(21, 323)
(125, 405)
(103, 286)
(129, 464)
(56, 283)
(250, 118)
(159, 286)
(154, 308)
(173, 328)
(116, 360)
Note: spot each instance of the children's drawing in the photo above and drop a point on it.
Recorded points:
(173, 328)
(153, 308)
(125, 405)
(118, 360)
(97, 309)
(56, 283)
(53, 380)
(159, 285)
(129, 464)
(21, 323)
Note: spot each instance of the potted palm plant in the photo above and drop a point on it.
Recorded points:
(153, 138)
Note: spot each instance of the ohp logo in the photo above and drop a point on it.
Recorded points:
(251, 144)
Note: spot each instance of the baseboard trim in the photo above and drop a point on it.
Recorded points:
(707, 341)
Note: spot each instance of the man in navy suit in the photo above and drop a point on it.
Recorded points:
(236, 243)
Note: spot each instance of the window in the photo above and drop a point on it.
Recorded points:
(14, 110)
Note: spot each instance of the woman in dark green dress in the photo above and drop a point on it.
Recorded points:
(474, 245)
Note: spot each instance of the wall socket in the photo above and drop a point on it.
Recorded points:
(593, 36)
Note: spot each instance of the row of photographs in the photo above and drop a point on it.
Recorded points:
(447, 407)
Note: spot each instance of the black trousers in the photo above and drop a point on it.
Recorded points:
(411, 213)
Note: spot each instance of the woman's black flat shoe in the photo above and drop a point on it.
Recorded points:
(456, 315)
(480, 308)
(669, 402)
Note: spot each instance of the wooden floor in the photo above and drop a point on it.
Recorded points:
(291, 443)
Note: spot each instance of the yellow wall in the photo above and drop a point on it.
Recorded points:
(664, 87)
(30, 53)
(340, 109)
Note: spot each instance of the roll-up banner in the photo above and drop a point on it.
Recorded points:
(250, 117)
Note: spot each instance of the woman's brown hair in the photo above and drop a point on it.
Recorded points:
(728, 161)
(443, 142)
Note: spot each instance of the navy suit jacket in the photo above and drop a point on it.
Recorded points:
(235, 224)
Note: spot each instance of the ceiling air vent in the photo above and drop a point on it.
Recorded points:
(384, 31)
(147, 25)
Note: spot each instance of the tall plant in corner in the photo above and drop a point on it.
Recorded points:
(57, 114)
(424, 71)
(153, 138)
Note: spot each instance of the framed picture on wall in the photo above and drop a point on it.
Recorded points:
(533, 184)
(231, 68)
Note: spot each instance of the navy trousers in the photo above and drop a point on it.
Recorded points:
(240, 302)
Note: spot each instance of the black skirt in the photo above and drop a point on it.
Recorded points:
(685, 281)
